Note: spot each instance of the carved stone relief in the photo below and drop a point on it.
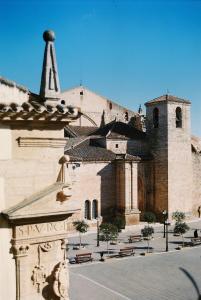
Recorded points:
(61, 281)
(41, 264)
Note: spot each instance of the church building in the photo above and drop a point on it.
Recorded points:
(76, 155)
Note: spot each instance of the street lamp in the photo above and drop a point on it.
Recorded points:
(98, 219)
(164, 219)
(167, 223)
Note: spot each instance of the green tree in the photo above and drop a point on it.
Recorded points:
(181, 228)
(108, 232)
(178, 216)
(147, 232)
(81, 227)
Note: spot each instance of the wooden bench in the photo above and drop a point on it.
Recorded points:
(84, 257)
(196, 241)
(127, 251)
(135, 238)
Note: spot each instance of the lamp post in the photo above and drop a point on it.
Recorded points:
(98, 219)
(164, 219)
(167, 223)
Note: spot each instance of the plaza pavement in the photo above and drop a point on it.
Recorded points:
(159, 275)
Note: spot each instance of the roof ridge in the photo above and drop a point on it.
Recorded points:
(97, 93)
(80, 140)
(11, 83)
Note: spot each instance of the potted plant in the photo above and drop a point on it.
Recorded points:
(108, 232)
(81, 227)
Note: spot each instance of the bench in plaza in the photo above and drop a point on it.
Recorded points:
(135, 238)
(84, 257)
(196, 241)
(127, 251)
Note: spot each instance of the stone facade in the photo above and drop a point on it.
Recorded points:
(97, 110)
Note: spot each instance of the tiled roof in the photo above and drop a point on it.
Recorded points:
(74, 131)
(73, 142)
(39, 110)
(119, 130)
(167, 98)
(85, 151)
(89, 150)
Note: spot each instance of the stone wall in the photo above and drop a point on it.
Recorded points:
(94, 181)
(11, 92)
(158, 141)
(137, 147)
(26, 167)
(100, 109)
(196, 197)
(179, 160)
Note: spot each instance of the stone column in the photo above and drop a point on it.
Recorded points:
(127, 191)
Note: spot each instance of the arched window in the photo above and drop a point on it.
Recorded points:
(94, 209)
(156, 117)
(178, 117)
(87, 210)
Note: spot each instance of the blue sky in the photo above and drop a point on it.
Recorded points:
(129, 51)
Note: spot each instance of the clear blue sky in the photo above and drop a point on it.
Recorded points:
(129, 51)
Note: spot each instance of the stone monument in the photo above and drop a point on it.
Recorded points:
(37, 189)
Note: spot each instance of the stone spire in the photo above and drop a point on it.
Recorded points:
(50, 87)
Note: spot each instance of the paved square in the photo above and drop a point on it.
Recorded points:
(159, 276)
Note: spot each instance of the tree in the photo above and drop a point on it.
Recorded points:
(149, 217)
(147, 232)
(181, 228)
(178, 216)
(108, 232)
(81, 227)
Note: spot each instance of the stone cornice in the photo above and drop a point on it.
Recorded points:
(41, 142)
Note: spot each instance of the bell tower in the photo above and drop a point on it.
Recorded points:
(168, 131)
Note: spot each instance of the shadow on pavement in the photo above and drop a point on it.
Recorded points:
(194, 283)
